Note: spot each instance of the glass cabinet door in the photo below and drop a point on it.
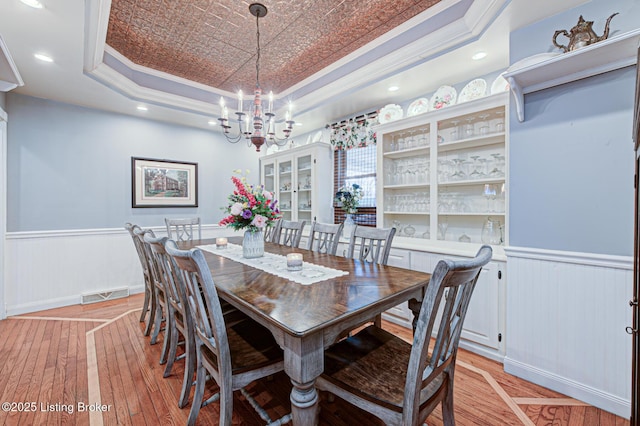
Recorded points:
(304, 187)
(285, 182)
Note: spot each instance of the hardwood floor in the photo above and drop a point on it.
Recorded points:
(92, 365)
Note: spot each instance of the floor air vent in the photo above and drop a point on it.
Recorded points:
(104, 295)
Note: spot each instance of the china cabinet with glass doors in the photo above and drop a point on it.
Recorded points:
(300, 179)
(443, 175)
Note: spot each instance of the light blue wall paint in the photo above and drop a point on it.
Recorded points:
(571, 161)
(69, 167)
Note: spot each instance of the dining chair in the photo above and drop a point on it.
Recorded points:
(374, 244)
(271, 232)
(184, 228)
(158, 294)
(324, 237)
(402, 383)
(131, 228)
(234, 353)
(289, 233)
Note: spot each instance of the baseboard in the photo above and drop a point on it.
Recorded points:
(618, 406)
(42, 305)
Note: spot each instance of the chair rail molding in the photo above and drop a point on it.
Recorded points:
(50, 269)
(566, 316)
(607, 55)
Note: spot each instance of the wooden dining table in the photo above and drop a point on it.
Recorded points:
(306, 319)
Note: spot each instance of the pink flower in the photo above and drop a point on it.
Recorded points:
(259, 221)
(236, 209)
(266, 194)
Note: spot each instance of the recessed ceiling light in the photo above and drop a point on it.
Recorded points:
(43, 57)
(393, 88)
(33, 3)
(298, 123)
(142, 108)
(212, 123)
(479, 55)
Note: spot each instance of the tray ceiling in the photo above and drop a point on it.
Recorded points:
(213, 42)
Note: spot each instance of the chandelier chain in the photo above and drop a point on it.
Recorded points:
(258, 51)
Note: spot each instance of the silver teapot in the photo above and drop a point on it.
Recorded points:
(581, 35)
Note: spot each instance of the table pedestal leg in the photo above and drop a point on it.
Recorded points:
(415, 306)
(304, 403)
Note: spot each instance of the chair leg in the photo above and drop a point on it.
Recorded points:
(189, 367)
(201, 378)
(168, 343)
(447, 405)
(152, 312)
(226, 404)
(157, 323)
(145, 304)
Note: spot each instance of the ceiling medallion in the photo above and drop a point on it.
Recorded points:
(263, 123)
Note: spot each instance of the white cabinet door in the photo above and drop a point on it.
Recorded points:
(400, 314)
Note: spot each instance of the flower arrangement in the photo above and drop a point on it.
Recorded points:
(250, 207)
(348, 197)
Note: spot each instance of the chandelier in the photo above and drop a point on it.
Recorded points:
(256, 126)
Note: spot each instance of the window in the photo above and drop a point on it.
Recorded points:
(357, 165)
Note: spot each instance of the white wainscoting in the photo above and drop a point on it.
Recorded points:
(50, 269)
(566, 319)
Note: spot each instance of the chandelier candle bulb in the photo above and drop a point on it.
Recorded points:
(271, 101)
(294, 261)
(240, 101)
(221, 243)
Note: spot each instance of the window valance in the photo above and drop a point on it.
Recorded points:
(354, 132)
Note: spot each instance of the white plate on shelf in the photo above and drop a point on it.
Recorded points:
(419, 106)
(389, 113)
(473, 90)
(499, 85)
(318, 136)
(444, 96)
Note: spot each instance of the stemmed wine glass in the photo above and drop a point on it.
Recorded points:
(490, 195)
(484, 124)
(475, 173)
(442, 229)
(468, 128)
(500, 122)
(454, 130)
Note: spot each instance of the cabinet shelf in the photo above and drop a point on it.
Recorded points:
(607, 55)
(470, 182)
(472, 214)
(407, 186)
(411, 152)
(475, 142)
(408, 213)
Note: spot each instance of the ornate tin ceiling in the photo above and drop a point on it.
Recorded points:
(213, 42)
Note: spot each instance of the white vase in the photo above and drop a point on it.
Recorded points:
(349, 224)
(253, 244)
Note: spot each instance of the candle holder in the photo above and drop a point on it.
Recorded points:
(221, 243)
(294, 262)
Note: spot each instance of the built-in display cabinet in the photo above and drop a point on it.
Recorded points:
(443, 175)
(443, 184)
(294, 176)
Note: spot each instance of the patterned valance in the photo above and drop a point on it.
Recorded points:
(354, 132)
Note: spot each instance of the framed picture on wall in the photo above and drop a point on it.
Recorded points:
(163, 183)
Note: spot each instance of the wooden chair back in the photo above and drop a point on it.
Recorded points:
(373, 244)
(146, 304)
(324, 237)
(271, 232)
(452, 283)
(289, 233)
(204, 305)
(184, 228)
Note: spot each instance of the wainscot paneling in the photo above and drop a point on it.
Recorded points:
(55, 268)
(566, 319)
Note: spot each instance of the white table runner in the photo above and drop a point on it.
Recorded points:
(277, 265)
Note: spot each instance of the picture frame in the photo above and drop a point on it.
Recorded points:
(163, 183)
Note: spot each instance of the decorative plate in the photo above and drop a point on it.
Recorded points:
(473, 90)
(389, 113)
(318, 136)
(500, 84)
(419, 106)
(444, 96)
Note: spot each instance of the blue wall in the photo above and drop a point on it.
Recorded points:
(571, 161)
(69, 167)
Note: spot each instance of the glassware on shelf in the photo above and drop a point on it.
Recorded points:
(490, 195)
(464, 238)
(484, 125)
(409, 231)
(500, 121)
(476, 173)
(401, 142)
(443, 225)
(453, 133)
(469, 130)
(492, 232)
(426, 234)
